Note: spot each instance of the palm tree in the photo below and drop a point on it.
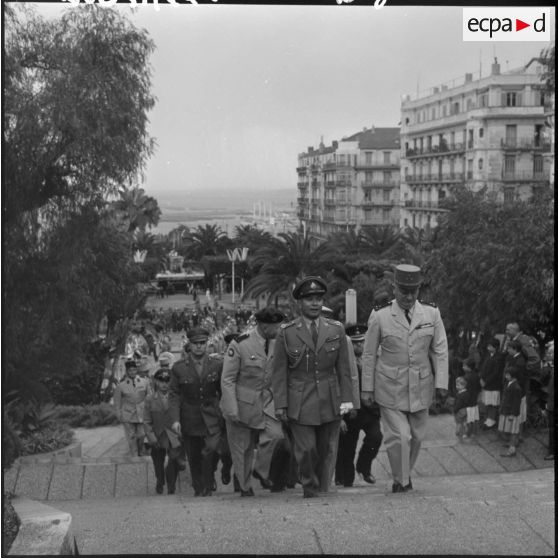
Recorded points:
(251, 237)
(141, 210)
(207, 240)
(381, 241)
(285, 260)
(178, 236)
(419, 244)
(348, 243)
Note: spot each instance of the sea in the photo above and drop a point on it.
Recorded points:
(273, 210)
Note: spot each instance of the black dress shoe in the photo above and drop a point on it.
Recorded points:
(159, 488)
(266, 483)
(213, 485)
(409, 486)
(338, 483)
(225, 475)
(171, 489)
(309, 494)
(246, 493)
(368, 477)
(348, 484)
(398, 487)
(275, 488)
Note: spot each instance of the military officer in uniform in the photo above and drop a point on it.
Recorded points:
(405, 357)
(312, 385)
(194, 392)
(129, 397)
(365, 418)
(247, 402)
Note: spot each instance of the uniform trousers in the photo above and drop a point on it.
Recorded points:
(345, 468)
(283, 471)
(201, 452)
(161, 473)
(242, 443)
(268, 440)
(134, 433)
(315, 449)
(403, 434)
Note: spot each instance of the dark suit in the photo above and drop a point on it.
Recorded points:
(311, 382)
(194, 401)
(164, 441)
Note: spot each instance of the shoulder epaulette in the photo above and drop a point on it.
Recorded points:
(242, 337)
(433, 304)
(288, 324)
(384, 305)
(215, 356)
(333, 322)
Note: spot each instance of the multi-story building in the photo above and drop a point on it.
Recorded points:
(484, 133)
(350, 184)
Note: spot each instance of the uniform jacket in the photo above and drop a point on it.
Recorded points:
(246, 381)
(129, 397)
(491, 371)
(311, 381)
(403, 362)
(158, 421)
(511, 399)
(194, 400)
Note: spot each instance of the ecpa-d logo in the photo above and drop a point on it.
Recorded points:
(506, 24)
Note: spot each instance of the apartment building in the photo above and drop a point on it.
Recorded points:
(350, 184)
(484, 133)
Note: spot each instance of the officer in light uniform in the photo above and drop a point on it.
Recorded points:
(129, 398)
(405, 356)
(312, 385)
(247, 402)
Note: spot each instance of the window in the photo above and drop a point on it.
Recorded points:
(433, 114)
(443, 114)
(387, 177)
(481, 132)
(470, 142)
(386, 214)
(511, 99)
(470, 168)
(456, 108)
(368, 158)
(509, 195)
(386, 196)
(509, 165)
(538, 164)
(387, 157)
(480, 163)
(538, 135)
(483, 100)
(511, 135)
(470, 104)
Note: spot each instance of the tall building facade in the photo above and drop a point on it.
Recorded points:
(485, 133)
(350, 184)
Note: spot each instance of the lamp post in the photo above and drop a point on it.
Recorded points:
(239, 254)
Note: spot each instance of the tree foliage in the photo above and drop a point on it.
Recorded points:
(76, 96)
(493, 263)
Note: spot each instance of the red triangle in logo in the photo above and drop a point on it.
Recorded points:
(519, 25)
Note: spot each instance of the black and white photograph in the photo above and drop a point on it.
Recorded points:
(278, 279)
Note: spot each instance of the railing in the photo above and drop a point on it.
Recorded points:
(330, 202)
(302, 185)
(377, 203)
(380, 184)
(436, 149)
(444, 177)
(524, 175)
(301, 169)
(330, 184)
(302, 201)
(329, 165)
(529, 144)
(419, 204)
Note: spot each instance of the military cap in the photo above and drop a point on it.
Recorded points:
(162, 375)
(231, 337)
(327, 312)
(166, 358)
(130, 363)
(308, 286)
(356, 332)
(408, 276)
(269, 315)
(198, 334)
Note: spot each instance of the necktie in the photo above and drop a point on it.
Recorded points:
(314, 332)
(408, 317)
(267, 347)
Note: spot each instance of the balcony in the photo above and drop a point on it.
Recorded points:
(380, 184)
(330, 184)
(442, 149)
(520, 176)
(303, 214)
(301, 170)
(377, 166)
(329, 202)
(524, 145)
(377, 203)
(302, 201)
(426, 205)
(329, 165)
(437, 177)
(314, 168)
(302, 185)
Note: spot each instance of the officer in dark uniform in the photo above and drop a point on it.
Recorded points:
(367, 419)
(312, 384)
(194, 392)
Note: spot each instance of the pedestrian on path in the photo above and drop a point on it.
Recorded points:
(129, 398)
(509, 422)
(312, 385)
(549, 367)
(195, 389)
(164, 442)
(460, 408)
(405, 357)
(247, 401)
(491, 379)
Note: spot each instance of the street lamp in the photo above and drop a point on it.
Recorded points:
(239, 254)
(139, 256)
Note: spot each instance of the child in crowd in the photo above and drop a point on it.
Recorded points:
(491, 373)
(460, 407)
(473, 390)
(510, 409)
(163, 440)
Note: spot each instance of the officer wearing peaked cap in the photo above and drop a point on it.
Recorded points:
(247, 401)
(312, 384)
(405, 357)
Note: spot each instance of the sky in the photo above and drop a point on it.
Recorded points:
(242, 90)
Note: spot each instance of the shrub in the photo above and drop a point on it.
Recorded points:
(10, 524)
(50, 438)
(86, 416)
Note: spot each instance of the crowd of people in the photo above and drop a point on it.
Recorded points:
(284, 401)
